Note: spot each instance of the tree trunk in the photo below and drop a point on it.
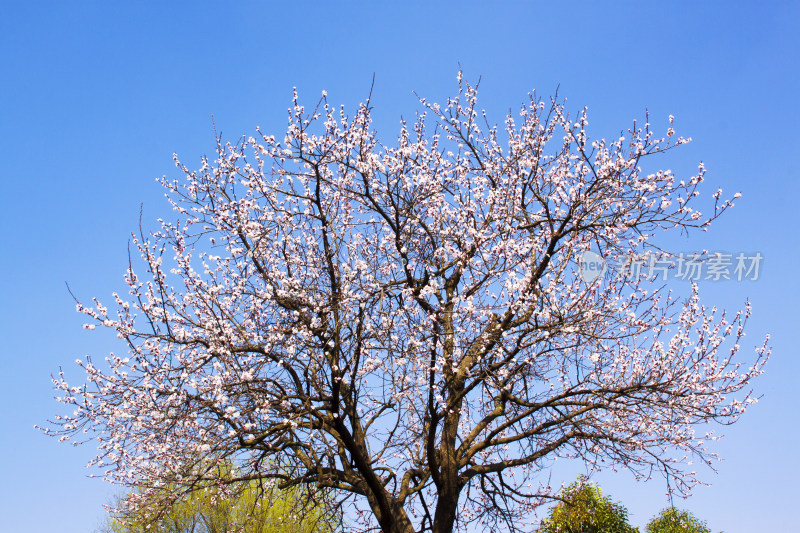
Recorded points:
(445, 517)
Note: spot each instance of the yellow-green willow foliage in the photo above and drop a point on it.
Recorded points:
(251, 508)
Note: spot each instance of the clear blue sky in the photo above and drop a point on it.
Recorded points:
(95, 97)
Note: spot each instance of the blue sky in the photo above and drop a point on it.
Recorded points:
(95, 98)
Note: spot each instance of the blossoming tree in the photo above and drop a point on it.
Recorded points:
(404, 325)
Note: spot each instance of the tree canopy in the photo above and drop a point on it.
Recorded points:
(672, 520)
(405, 325)
(584, 509)
(213, 507)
